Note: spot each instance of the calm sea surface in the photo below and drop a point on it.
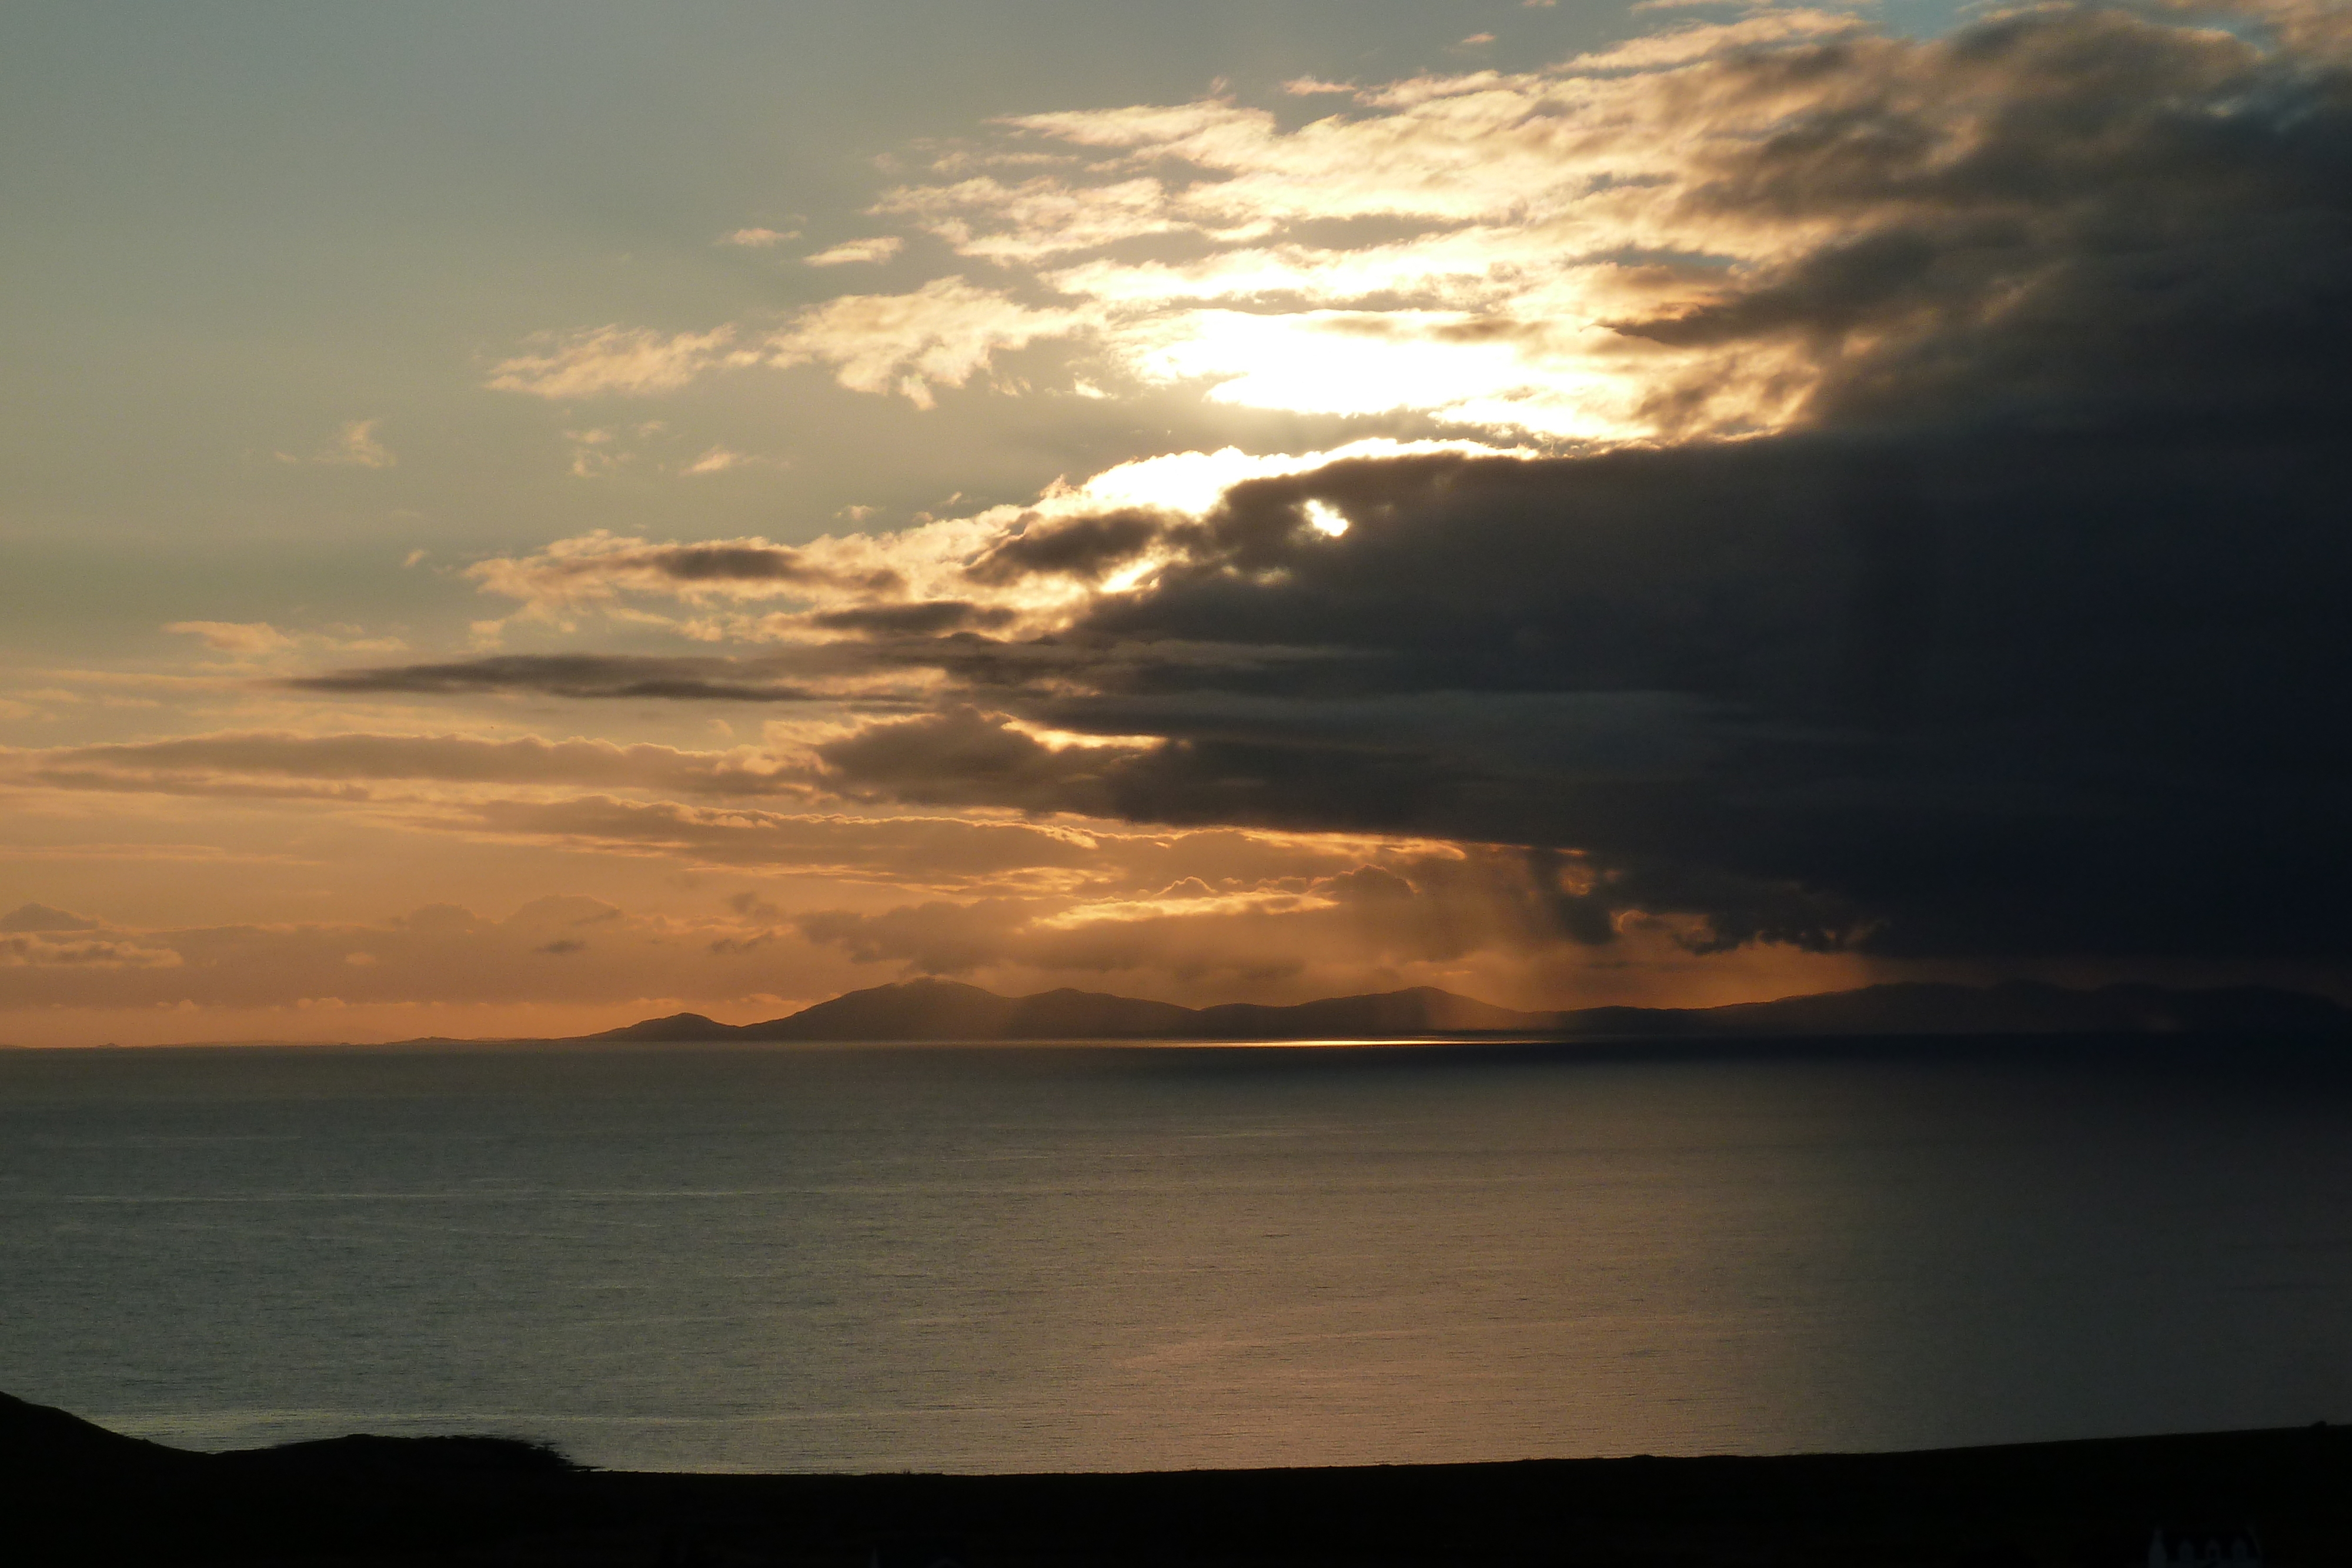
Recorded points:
(1141, 1257)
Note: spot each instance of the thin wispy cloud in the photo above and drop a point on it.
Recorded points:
(1522, 196)
(358, 447)
(246, 637)
(881, 247)
(355, 445)
(610, 359)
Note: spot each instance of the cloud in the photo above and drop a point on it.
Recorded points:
(617, 360)
(917, 618)
(1931, 547)
(1972, 690)
(1088, 547)
(248, 638)
(920, 852)
(244, 640)
(41, 917)
(760, 239)
(882, 247)
(357, 446)
(1700, 40)
(444, 952)
(1193, 244)
(913, 344)
(603, 676)
(710, 809)
(598, 565)
(717, 460)
(1465, 919)
(1533, 216)
(25, 950)
(1566, 254)
(218, 762)
(965, 758)
(869, 581)
(388, 978)
(1810, 691)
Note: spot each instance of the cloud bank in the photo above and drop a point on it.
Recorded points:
(1869, 501)
(1723, 228)
(2007, 625)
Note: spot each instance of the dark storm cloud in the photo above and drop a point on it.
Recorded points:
(569, 676)
(2032, 638)
(922, 618)
(753, 562)
(887, 639)
(260, 762)
(2028, 635)
(2058, 216)
(1086, 548)
(964, 757)
(2053, 690)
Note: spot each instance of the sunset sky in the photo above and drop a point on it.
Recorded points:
(519, 519)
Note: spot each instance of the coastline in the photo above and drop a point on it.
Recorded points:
(87, 1495)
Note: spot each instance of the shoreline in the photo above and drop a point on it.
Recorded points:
(91, 1495)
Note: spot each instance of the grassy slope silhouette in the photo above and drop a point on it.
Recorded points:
(75, 1493)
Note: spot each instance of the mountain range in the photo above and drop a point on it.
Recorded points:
(933, 1009)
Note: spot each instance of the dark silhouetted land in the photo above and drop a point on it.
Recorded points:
(75, 1493)
(930, 1009)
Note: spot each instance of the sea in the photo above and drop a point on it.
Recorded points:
(1124, 1258)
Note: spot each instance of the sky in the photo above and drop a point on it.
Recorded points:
(522, 519)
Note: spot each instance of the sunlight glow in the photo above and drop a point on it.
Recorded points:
(1443, 363)
(1194, 482)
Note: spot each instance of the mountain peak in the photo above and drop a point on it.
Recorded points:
(927, 1008)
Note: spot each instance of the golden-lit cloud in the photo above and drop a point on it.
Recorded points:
(1206, 917)
(1462, 248)
(605, 360)
(939, 336)
(40, 950)
(931, 577)
(223, 761)
(719, 459)
(880, 248)
(247, 644)
(235, 636)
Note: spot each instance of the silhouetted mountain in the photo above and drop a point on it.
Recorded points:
(2015, 1007)
(677, 1028)
(1425, 1010)
(948, 1009)
(931, 1010)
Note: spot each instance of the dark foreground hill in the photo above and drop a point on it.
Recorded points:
(930, 1009)
(72, 1493)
